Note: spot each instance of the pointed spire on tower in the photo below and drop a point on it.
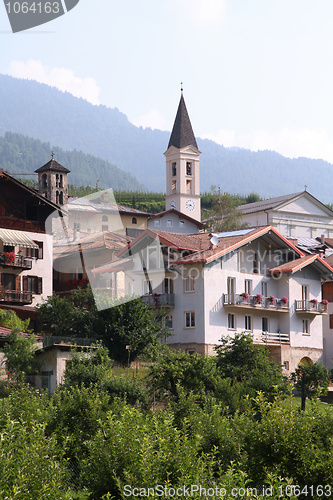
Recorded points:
(182, 133)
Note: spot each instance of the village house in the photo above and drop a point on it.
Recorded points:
(26, 247)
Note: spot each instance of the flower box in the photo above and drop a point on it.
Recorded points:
(258, 299)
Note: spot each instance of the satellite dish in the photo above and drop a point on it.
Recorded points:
(214, 241)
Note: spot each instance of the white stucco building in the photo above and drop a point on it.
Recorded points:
(298, 215)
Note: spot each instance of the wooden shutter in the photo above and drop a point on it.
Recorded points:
(18, 283)
(25, 283)
(40, 286)
(331, 321)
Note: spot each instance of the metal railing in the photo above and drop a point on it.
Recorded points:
(311, 306)
(19, 261)
(238, 299)
(15, 296)
(159, 299)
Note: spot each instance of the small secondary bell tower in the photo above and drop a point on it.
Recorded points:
(53, 182)
(182, 167)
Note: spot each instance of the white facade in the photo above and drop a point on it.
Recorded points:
(302, 216)
(205, 301)
(173, 222)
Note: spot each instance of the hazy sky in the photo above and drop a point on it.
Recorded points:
(257, 73)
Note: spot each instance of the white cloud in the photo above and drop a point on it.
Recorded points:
(61, 78)
(310, 143)
(153, 119)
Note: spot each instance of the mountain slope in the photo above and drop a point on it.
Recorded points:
(47, 114)
(22, 155)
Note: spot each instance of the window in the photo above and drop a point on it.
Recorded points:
(8, 281)
(44, 180)
(38, 253)
(188, 186)
(181, 223)
(231, 321)
(174, 186)
(157, 222)
(188, 168)
(286, 365)
(256, 263)
(231, 286)
(61, 198)
(105, 218)
(168, 285)
(248, 286)
(169, 321)
(32, 284)
(248, 323)
(134, 221)
(264, 289)
(174, 169)
(169, 223)
(190, 319)
(305, 326)
(264, 325)
(305, 295)
(189, 283)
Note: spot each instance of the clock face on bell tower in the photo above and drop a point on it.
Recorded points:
(190, 205)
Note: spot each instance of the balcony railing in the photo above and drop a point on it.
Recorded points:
(239, 300)
(19, 261)
(311, 306)
(272, 338)
(159, 299)
(15, 297)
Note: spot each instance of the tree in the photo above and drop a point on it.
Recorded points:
(241, 361)
(224, 215)
(191, 372)
(311, 380)
(123, 323)
(132, 328)
(20, 355)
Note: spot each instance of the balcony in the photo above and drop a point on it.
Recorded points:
(255, 301)
(15, 297)
(310, 307)
(159, 299)
(18, 262)
(265, 338)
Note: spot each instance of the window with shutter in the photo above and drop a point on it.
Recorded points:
(40, 286)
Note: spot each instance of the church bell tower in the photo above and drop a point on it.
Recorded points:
(182, 167)
(52, 182)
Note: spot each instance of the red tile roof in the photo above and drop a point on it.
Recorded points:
(230, 243)
(298, 264)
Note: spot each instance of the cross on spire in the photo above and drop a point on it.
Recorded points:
(52, 154)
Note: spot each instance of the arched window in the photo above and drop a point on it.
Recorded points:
(44, 180)
(60, 181)
(134, 221)
(57, 197)
(105, 218)
(61, 198)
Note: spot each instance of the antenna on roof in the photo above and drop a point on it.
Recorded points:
(214, 241)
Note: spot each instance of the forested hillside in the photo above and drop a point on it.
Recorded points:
(47, 114)
(22, 155)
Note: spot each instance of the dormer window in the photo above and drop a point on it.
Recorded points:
(188, 168)
(174, 169)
